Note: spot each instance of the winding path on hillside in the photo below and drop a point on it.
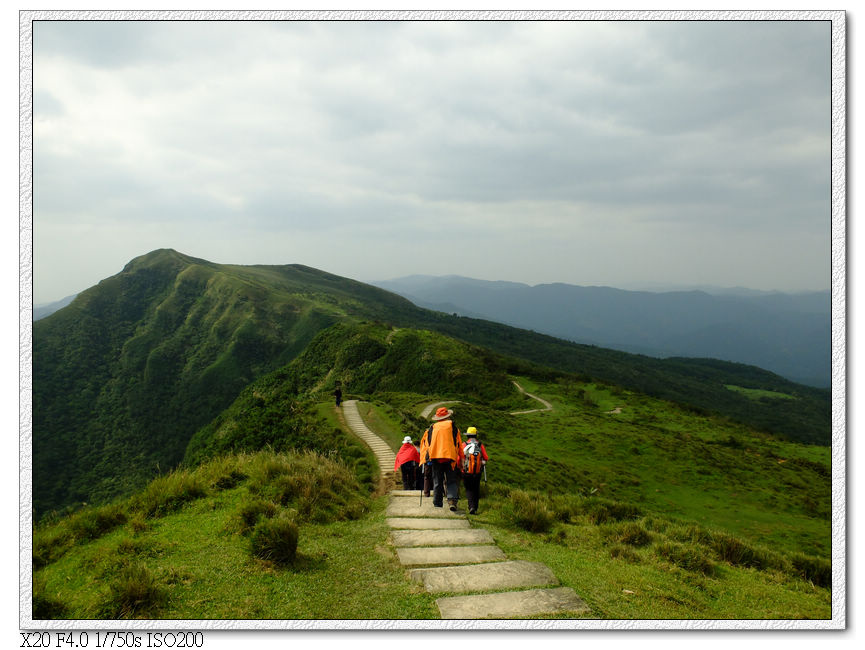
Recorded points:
(547, 405)
(446, 555)
(428, 409)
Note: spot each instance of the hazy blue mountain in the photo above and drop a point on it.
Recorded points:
(48, 308)
(788, 334)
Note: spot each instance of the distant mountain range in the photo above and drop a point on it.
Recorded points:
(46, 309)
(789, 334)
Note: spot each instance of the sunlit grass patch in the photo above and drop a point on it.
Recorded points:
(756, 393)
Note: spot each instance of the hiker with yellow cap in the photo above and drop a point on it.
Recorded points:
(441, 444)
(407, 459)
(473, 463)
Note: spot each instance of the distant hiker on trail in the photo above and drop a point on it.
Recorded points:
(473, 458)
(407, 460)
(338, 394)
(443, 449)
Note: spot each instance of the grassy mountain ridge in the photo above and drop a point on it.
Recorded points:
(365, 359)
(127, 373)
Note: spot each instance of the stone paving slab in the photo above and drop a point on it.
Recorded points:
(406, 493)
(448, 555)
(512, 604)
(436, 523)
(485, 577)
(405, 538)
(400, 507)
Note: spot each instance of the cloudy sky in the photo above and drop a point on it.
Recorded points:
(605, 153)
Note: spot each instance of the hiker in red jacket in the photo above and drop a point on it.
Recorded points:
(473, 457)
(407, 459)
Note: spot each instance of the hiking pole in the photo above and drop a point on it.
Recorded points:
(485, 472)
(422, 472)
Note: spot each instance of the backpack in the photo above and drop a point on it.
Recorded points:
(473, 461)
(428, 435)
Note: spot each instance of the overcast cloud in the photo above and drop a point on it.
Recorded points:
(582, 152)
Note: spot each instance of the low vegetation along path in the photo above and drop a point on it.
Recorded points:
(444, 553)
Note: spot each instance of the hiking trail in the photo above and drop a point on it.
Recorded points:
(429, 408)
(444, 553)
(547, 405)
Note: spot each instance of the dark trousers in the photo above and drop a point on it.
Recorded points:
(472, 483)
(427, 479)
(443, 475)
(421, 480)
(408, 471)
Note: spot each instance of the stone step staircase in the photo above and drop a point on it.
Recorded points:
(445, 554)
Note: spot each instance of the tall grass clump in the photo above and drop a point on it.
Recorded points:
(275, 540)
(169, 493)
(814, 569)
(222, 473)
(624, 552)
(250, 512)
(686, 556)
(738, 553)
(630, 533)
(319, 488)
(690, 533)
(529, 511)
(52, 541)
(134, 592)
(600, 511)
(46, 606)
(92, 523)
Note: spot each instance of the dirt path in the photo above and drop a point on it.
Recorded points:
(429, 408)
(547, 405)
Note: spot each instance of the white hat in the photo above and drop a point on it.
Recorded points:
(406, 440)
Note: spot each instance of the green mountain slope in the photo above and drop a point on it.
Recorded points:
(125, 375)
(367, 359)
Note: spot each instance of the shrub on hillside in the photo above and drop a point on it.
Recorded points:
(275, 540)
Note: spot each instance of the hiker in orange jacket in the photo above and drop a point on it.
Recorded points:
(472, 467)
(407, 459)
(442, 445)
